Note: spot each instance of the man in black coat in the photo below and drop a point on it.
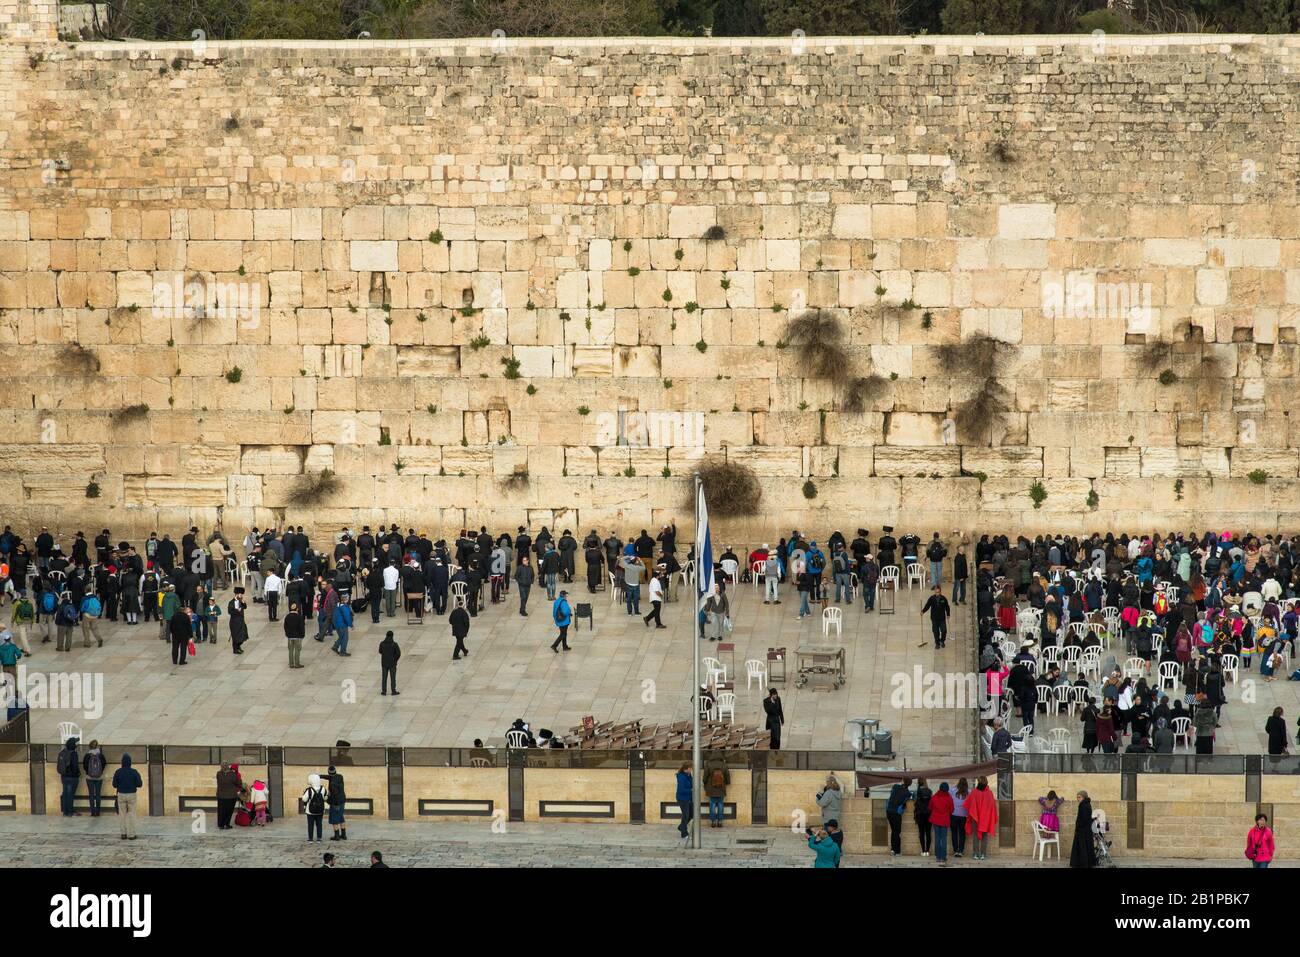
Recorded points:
(375, 590)
(389, 654)
(775, 716)
(459, 621)
(939, 610)
(238, 628)
(180, 630)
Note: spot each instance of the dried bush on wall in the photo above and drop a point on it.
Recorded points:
(974, 415)
(313, 487)
(731, 489)
(76, 359)
(979, 355)
(862, 391)
(819, 338)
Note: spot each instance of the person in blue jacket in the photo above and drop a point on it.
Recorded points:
(562, 615)
(126, 784)
(342, 624)
(824, 846)
(685, 800)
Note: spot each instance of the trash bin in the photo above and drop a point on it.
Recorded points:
(884, 743)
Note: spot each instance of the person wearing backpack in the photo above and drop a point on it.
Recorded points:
(716, 779)
(562, 615)
(313, 799)
(936, 553)
(65, 619)
(47, 605)
(68, 766)
(21, 618)
(94, 764)
(840, 572)
(91, 611)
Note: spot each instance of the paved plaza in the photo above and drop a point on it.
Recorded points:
(619, 671)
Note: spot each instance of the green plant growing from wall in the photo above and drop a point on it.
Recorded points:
(1037, 494)
(810, 489)
(1257, 476)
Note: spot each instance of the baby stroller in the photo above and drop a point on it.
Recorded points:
(1100, 843)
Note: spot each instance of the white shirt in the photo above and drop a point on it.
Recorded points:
(656, 590)
(273, 582)
(1271, 590)
(391, 577)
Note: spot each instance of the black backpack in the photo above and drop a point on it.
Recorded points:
(95, 764)
(67, 763)
(936, 552)
(316, 802)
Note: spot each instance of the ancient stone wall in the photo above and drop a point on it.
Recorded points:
(504, 282)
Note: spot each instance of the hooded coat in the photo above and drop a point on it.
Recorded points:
(126, 779)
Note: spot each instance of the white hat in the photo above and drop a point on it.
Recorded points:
(1027, 643)
(766, 546)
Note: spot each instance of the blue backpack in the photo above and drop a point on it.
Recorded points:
(48, 602)
(91, 606)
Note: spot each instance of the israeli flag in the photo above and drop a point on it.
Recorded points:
(703, 551)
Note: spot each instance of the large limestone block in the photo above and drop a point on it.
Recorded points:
(1027, 221)
(163, 490)
(271, 460)
(439, 361)
(918, 462)
(52, 458)
(784, 462)
(913, 429)
(373, 256)
(690, 222)
(1003, 462)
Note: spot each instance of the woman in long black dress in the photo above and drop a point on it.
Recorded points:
(1275, 728)
(1083, 853)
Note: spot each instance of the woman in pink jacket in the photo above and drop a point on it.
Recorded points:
(1259, 843)
(981, 818)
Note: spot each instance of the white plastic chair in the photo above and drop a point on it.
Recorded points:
(832, 616)
(1009, 649)
(915, 574)
(755, 670)
(1078, 697)
(727, 706)
(1231, 663)
(1061, 699)
(241, 571)
(1182, 728)
(1110, 614)
(1071, 653)
(707, 711)
(888, 574)
(1052, 655)
(1090, 662)
(1135, 668)
(1168, 672)
(68, 729)
(1043, 839)
(515, 738)
(1077, 629)
(756, 573)
(731, 568)
(1060, 739)
(716, 669)
(1020, 739)
(1038, 744)
(458, 593)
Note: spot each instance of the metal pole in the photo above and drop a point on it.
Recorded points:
(696, 842)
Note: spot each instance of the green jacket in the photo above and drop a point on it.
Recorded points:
(171, 603)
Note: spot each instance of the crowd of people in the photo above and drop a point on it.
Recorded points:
(1169, 621)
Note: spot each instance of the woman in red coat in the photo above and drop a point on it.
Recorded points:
(941, 808)
(1259, 843)
(981, 818)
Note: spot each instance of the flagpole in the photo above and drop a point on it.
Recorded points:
(695, 687)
